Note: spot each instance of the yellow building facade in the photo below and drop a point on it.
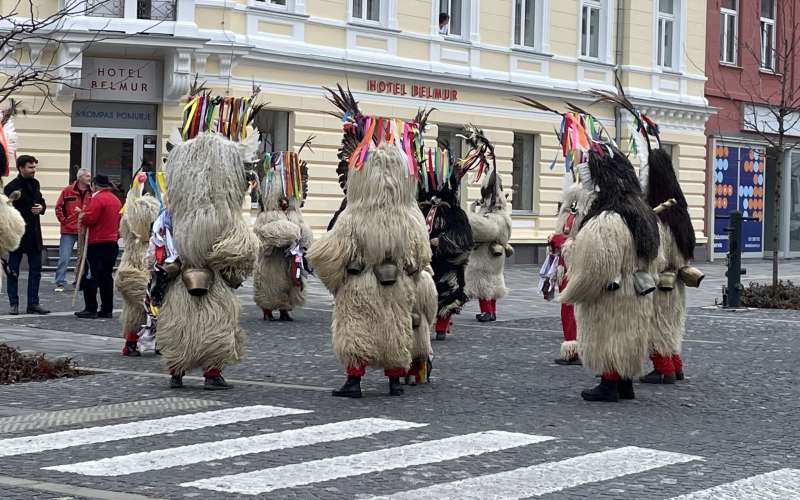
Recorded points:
(396, 57)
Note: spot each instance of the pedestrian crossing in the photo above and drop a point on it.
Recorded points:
(286, 473)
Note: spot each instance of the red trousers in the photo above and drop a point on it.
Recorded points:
(361, 369)
(667, 365)
(568, 322)
(207, 372)
(443, 324)
(488, 305)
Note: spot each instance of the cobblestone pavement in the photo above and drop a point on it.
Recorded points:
(498, 420)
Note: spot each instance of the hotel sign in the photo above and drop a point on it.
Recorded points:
(131, 80)
(416, 90)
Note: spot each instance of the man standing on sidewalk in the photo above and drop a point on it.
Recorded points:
(31, 205)
(71, 202)
(101, 219)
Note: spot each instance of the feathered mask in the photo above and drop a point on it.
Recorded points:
(362, 132)
(230, 117)
(142, 183)
(642, 130)
(286, 172)
(579, 134)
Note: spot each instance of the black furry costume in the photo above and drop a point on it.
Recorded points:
(451, 237)
(621, 192)
(663, 185)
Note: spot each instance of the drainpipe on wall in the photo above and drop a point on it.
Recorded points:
(620, 24)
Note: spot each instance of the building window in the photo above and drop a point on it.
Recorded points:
(728, 31)
(157, 10)
(367, 10)
(451, 18)
(525, 19)
(667, 17)
(768, 34)
(523, 172)
(590, 28)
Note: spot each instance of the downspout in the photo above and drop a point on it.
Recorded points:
(620, 26)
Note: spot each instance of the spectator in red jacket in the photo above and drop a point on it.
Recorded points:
(70, 204)
(101, 219)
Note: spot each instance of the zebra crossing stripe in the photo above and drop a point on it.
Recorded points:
(549, 477)
(317, 471)
(103, 434)
(777, 485)
(217, 450)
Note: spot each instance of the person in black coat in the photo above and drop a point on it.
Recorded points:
(31, 205)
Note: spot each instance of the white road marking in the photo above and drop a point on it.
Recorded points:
(316, 471)
(743, 317)
(778, 485)
(549, 477)
(103, 434)
(218, 450)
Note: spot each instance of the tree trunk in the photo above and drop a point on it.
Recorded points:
(776, 218)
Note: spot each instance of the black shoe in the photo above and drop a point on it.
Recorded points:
(486, 317)
(36, 309)
(625, 389)
(655, 377)
(131, 349)
(395, 389)
(216, 383)
(106, 315)
(86, 314)
(350, 389)
(679, 375)
(176, 381)
(14, 310)
(268, 315)
(441, 335)
(606, 391)
(284, 316)
(571, 361)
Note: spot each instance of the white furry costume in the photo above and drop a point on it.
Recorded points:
(612, 317)
(279, 228)
(491, 231)
(206, 183)
(372, 323)
(12, 226)
(133, 273)
(575, 202)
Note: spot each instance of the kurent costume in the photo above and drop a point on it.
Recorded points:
(449, 231)
(677, 242)
(373, 259)
(12, 225)
(211, 248)
(491, 230)
(574, 204)
(280, 274)
(133, 274)
(611, 262)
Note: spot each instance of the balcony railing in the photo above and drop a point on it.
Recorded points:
(157, 10)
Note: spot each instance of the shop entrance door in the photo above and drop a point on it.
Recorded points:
(116, 154)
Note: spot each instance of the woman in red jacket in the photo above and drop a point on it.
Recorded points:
(101, 219)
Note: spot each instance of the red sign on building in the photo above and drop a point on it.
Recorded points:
(421, 91)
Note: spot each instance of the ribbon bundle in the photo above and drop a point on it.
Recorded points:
(284, 167)
(578, 134)
(227, 116)
(406, 135)
(438, 169)
(154, 180)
